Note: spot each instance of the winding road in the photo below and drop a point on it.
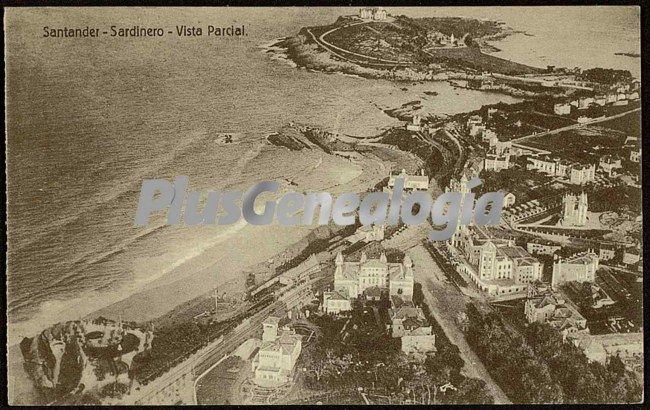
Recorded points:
(342, 53)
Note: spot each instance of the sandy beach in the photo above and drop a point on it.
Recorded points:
(224, 264)
(219, 266)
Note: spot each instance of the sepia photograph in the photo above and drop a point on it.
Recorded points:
(324, 205)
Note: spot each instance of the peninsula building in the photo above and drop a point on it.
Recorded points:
(377, 13)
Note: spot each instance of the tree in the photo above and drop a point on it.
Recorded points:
(471, 391)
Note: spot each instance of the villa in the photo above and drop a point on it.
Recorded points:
(609, 163)
(542, 246)
(576, 173)
(334, 302)
(352, 279)
(580, 267)
(496, 162)
(372, 13)
(562, 108)
(274, 362)
(411, 326)
(554, 311)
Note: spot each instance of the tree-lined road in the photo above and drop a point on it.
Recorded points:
(572, 126)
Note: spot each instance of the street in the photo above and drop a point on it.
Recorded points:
(445, 302)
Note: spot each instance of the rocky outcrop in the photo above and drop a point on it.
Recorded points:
(75, 357)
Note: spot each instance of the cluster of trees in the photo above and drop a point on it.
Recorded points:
(407, 141)
(583, 381)
(511, 362)
(174, 343)
(515, 180)
(540, 367)
(616, 198)
(347, 357)
(607, 76)
(437, 380)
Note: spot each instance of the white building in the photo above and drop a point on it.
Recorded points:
(489, 137)
(574, 210)
(419, 182)
(476, 130)
(501, 147)
(582, 173)
(497, 266)
(377, 13)
(576, 173)
(585, 102)
(552, 166)
(562, 108)
(474, 120)
(609, 163)
(334, 302)
(580, 267)
(606, 254)
(496, 162)
(351, 279)
(600, 100)
(415, 124)
(508, 199)
(274, 362)
(631, 256)
(542, 247)
(411, 326)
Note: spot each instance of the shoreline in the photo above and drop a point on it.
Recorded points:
(298, 54)
(193, 280)
(184, 272)
(188, 281)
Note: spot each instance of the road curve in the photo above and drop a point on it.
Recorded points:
(338, 50)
